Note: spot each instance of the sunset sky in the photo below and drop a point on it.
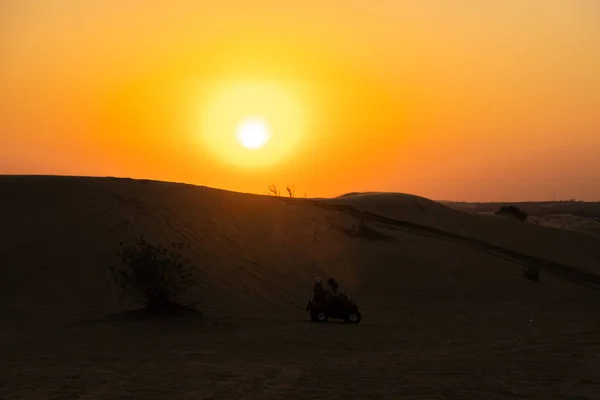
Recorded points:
(471, 100)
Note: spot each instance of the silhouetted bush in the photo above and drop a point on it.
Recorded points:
(152, 274)
(291, 190)
(514, 211)
(273, 190)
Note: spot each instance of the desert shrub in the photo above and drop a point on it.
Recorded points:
(154, 275)
(291, 190)
(514, 211)
(273, 190)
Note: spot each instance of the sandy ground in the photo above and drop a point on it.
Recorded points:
(447, 313)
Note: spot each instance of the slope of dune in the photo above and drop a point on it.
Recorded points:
(556, 245)
(447, 313)
(571, 215)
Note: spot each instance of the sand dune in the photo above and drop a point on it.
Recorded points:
(447, 313)
(556, 245)
(571, 215)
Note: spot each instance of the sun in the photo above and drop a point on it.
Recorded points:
(253, 133)
(252, 124)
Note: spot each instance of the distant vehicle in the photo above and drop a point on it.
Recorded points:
(345, 308)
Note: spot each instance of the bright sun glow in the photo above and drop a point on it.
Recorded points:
(252, 124)
(253, 133)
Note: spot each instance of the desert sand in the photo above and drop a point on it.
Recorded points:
(447, 313)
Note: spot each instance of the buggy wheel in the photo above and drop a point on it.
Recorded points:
(319, 315)
(353, 317)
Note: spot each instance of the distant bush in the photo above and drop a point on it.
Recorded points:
(273, 190)
(155, 275)
(514, 211)
(291, 190)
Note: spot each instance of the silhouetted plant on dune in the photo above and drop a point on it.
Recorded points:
(273, 190)
(514, 211)
(154, 275)
(291, 190)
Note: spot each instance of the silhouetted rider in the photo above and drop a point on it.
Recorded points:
(333, 285)
(319, 292)
(333, 298)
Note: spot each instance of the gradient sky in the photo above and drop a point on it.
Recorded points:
(468, 100)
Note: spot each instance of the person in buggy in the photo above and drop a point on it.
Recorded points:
(333, 285)
(320, 295)
(333, 295)
(329, 295)
(329, 303)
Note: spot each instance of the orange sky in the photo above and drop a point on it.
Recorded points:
(468, 100)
